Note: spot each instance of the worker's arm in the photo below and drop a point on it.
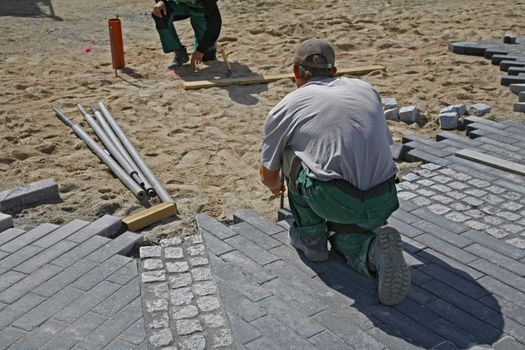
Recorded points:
(272, 179)
(159, 9)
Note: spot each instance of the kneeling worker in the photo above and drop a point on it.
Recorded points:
(205, 20)
(331, 139)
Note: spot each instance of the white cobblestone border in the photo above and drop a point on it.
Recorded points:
(181, 302)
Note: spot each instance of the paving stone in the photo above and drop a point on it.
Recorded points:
(507, 80)
(392, 114)
(210, 225)
(186, 327)
(257, 221)
(457, 217)
(9, 235)
(28, 237)
(249, 266)
(463, 302)
(185, 311)
(410, 177)
(15, 259)
(405, 229)
(215, 245)
(446, 248)
(518, 243)
(251, 250)
(177, 267)
(199, 261)
(181, 296)
(459, 337)
(390, 337)
(468, 287)
(480, 109)
(159, 320)
(442, 233)
(243, 283)
(497, 232)
(173, 253)
(494, 244)
(193, 342)
(27, 284)
(134, 334)
(47, 309)
(448, 121)
(18, 308)
(116, 301)
(517, 88)
(75, 332)
(10, 336)
(122, 244)
(497, 258)
(389, 102)
(152, 264)
(208, 303)
(293, 257)
(277, 336)
(196, 250)
(39, 336)
(180, 280)
(81, 251)
(423, 336)
(507, 343)
(150, 252)
(406, 195)
(398, 154)
(45, 257)
(404, 216)
(237, 303)
(476, 225)
(114, 326)
(512, 206)
(91, 299)
(500, 274)
(204, 288)
(6, 222)
(221, 338)
(512, 228)
(106, 226)
(101, 272)
(161, 337)
(40, 192)
(255, 235)
(9, 278)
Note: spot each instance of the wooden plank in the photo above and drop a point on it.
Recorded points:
(261, 79)
(494, 162)
(150, 216)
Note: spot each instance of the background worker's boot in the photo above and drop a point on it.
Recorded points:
(385, 257)
(315, 249)
(181, 57)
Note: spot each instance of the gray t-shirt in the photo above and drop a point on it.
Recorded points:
(338, 129)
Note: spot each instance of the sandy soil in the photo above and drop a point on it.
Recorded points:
(204, 144)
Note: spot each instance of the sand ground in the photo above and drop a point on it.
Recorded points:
(204, 144)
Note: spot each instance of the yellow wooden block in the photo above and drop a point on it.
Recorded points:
(150, 216)
(260, 79)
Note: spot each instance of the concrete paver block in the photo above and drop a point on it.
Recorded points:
(448, 121)
(522, 98)
(517, 88)
(392, 114)
(408, 114)
(22, 197)
(515, 70)
(480, 109)
(389, 103)
(6, 221)
(519, 107)
(506, 64)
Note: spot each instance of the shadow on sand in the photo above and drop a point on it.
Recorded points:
(214, 70)
(28, 8)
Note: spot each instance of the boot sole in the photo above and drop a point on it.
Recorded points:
(394, 275)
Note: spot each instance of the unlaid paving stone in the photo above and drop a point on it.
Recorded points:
(389, 102)
(22, 197)
(448, 121)
(392, 114)
(6, 221)
(519, 106)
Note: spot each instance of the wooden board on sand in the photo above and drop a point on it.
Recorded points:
(261, 79)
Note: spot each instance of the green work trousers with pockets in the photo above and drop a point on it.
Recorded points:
(177, 11)
(318, 206)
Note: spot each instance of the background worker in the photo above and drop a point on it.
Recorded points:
(205, 20)
(331, 139)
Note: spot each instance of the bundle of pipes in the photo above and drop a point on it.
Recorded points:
(119, 154)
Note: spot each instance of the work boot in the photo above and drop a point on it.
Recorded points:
(181, 57)
(315, 249)
(385, 258)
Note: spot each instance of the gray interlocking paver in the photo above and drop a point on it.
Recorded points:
(251, 250)
(39, 336)
(257, 221)
(246, 264)
(64, 278)
(124, 274)
(457, 282)
(106, 226)
(81, 251)
(255, 235)
(61, 233)
(122, 244)
(497, 258)
(120, 298)
(18, 308)
(44, 257)
(101, 272)
(28, 237)
(9, 336)
(500, 274)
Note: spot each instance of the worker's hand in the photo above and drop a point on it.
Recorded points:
(159, 9)
(278, 190)
(196, 58)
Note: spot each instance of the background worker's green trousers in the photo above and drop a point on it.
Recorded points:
(319, 206)
(178, 11)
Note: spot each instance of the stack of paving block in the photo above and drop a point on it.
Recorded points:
(461, 296)
(508, 54)
(70, 286)
(407, 114)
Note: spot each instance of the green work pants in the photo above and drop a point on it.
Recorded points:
(320, 205)
(178, 11)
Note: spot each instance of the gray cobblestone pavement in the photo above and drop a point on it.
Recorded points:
(182, 305)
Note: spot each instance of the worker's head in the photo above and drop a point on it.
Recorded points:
(313, 58)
